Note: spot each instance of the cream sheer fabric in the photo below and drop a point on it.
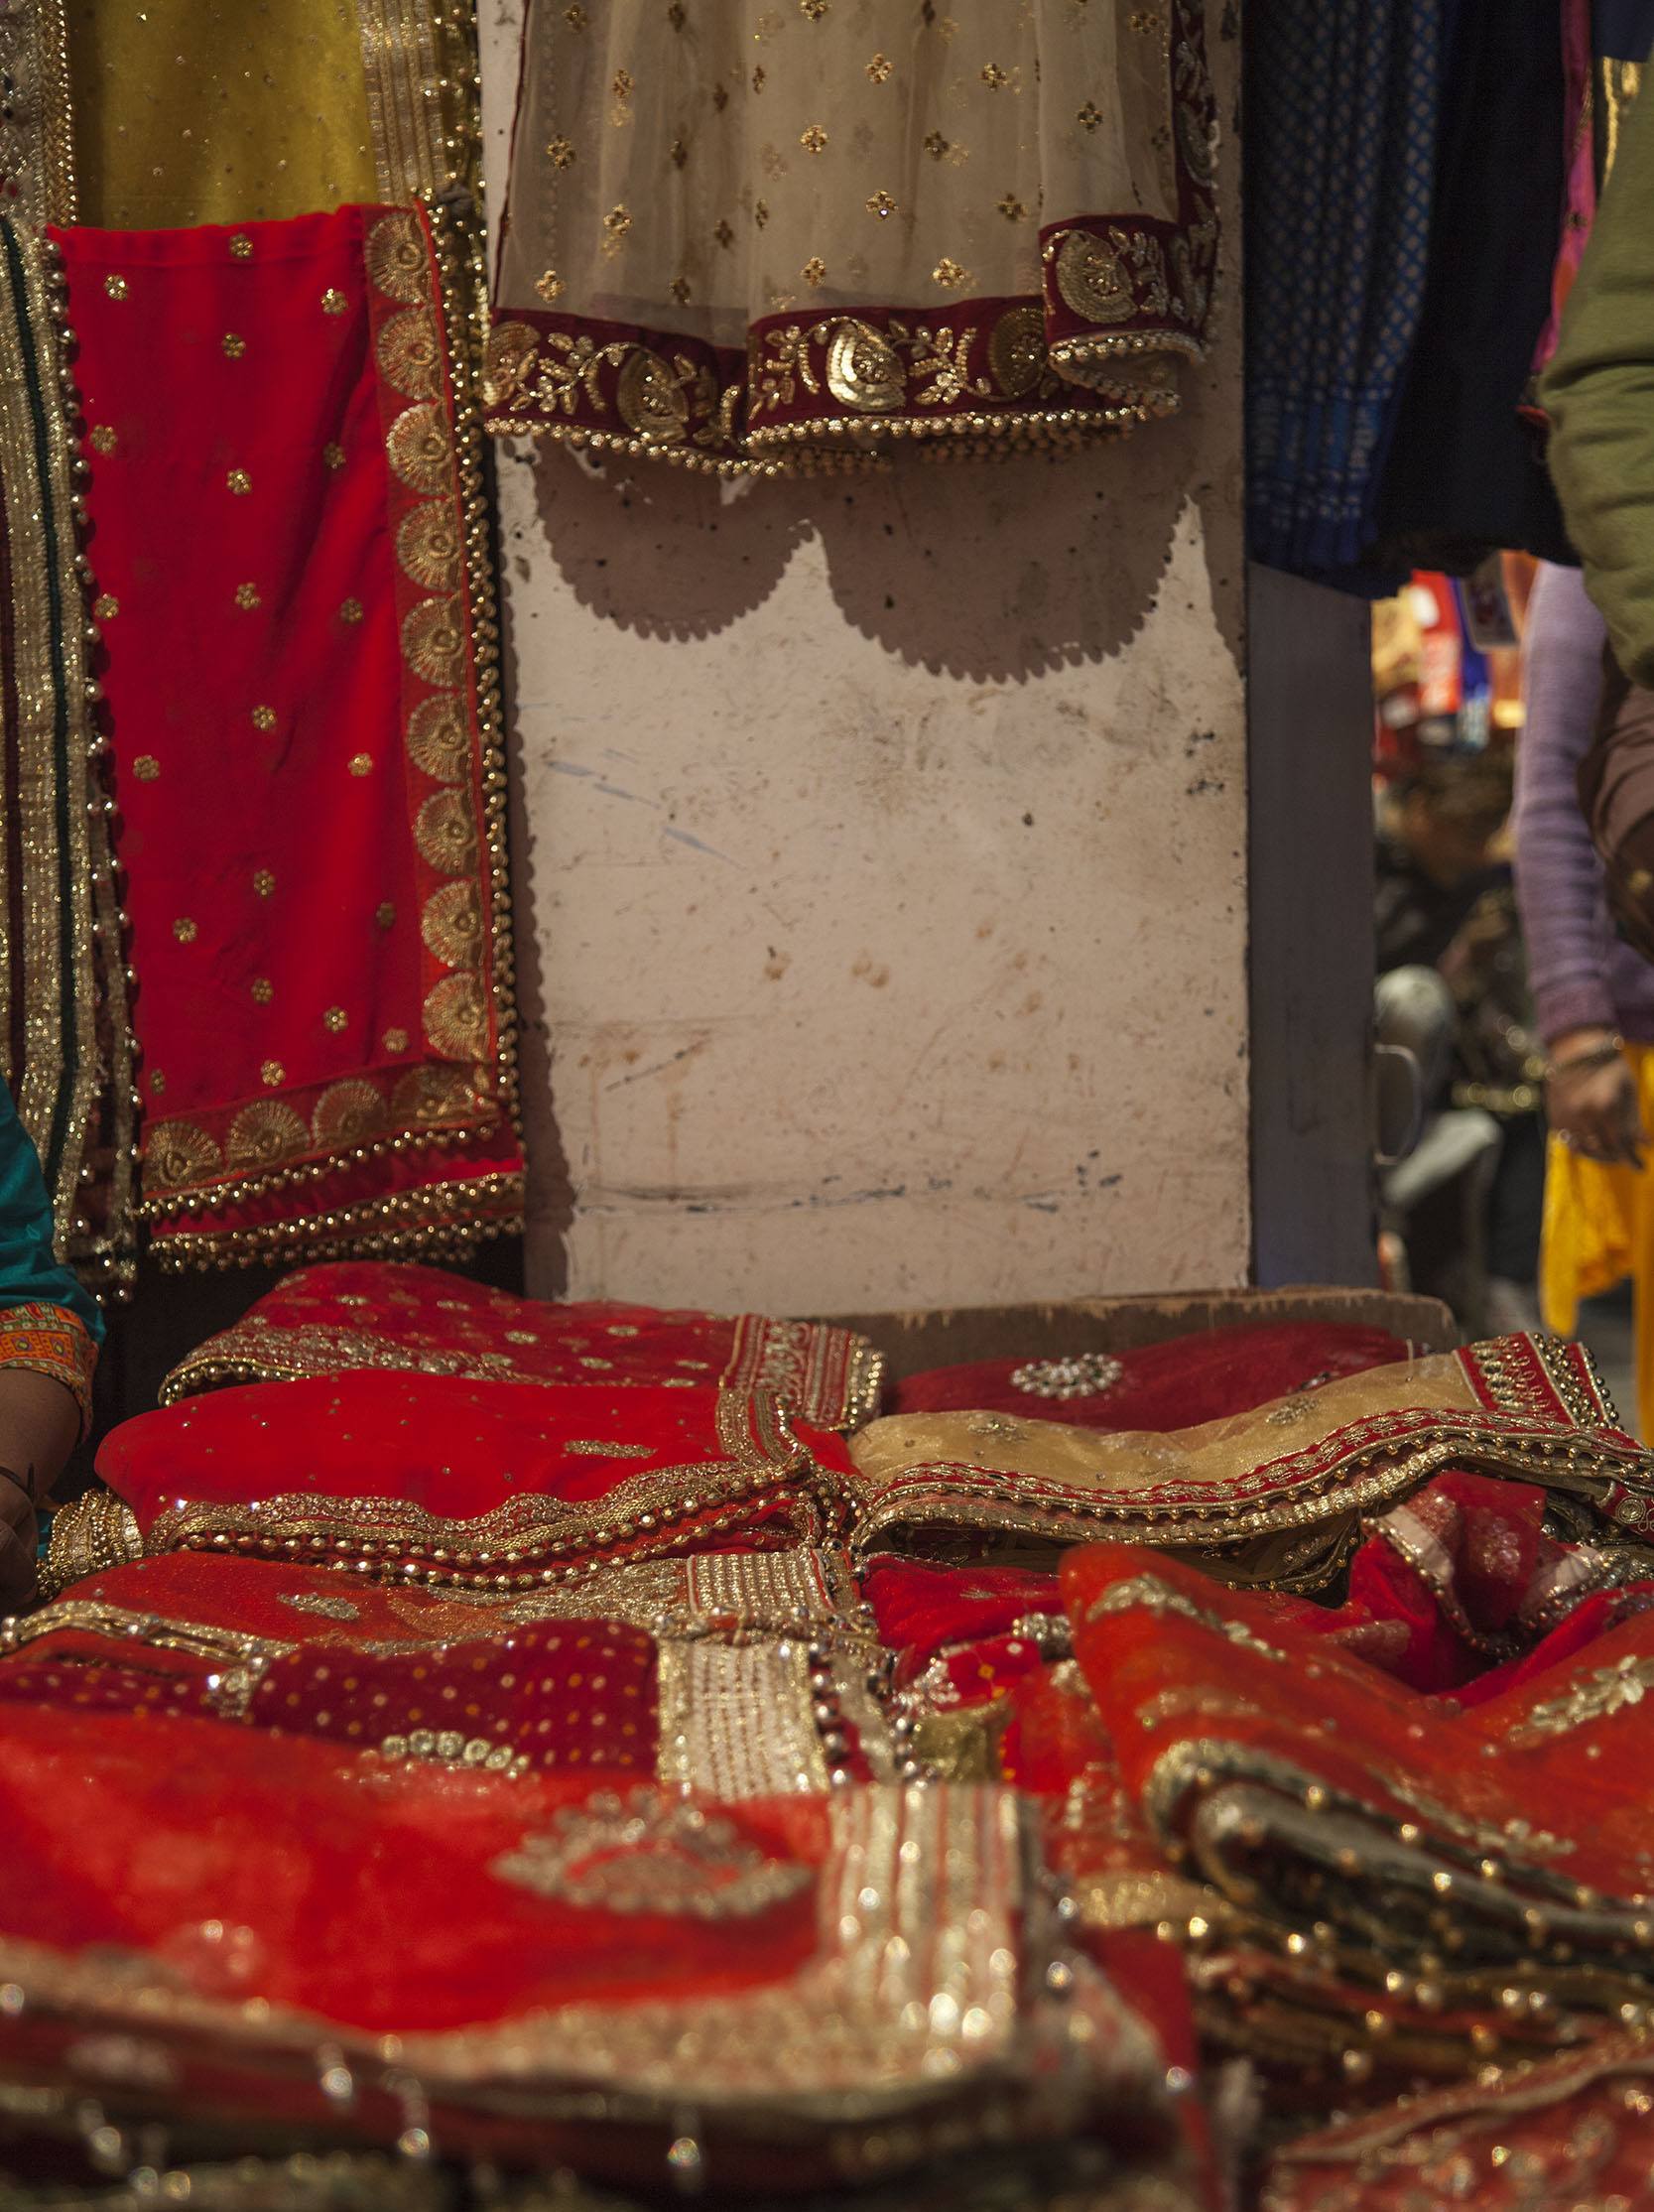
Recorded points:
(745, 234)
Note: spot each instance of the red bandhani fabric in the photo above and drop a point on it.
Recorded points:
(373, 1314)
(490, 1485)
(1171, 1385)
(290, 563)
(566, 1694)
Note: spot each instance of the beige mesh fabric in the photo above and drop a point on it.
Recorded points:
(738, 230)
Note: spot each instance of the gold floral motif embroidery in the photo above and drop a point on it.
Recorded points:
(1092, 277)
(409, 354)
(418, 447)
(264, 1134)
(434, 640)
(452, 924)
(179, 1153)
(456, 1018)
(650, 1852)
(397, 262)
(348, 1112)
(1595, 1696)
(1018, 360)
(445, 831)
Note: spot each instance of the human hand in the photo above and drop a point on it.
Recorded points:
(1594, 1108)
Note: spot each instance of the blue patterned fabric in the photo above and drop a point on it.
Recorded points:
(1342, 110)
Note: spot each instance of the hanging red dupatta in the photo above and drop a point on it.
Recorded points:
(292, 582)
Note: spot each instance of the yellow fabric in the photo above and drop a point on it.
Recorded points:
(1599, 1228)
(193, 112)
(1216, 1453)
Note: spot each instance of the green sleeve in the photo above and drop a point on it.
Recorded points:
(30, 1272)
(1599, 394)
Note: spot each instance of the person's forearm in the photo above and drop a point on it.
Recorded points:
(1559, 878)
(40, 1425)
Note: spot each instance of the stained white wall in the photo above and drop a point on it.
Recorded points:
(882, 862)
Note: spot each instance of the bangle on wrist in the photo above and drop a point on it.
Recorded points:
(12, 1475)
(1591, 1056)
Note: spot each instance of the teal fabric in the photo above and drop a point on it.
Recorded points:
(30, 1271)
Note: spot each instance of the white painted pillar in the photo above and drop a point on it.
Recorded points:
(883, 899)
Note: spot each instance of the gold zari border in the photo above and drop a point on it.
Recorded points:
(529, 1541)
(37, 144)
(74, 1089)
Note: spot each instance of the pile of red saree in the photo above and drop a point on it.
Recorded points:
(467, 1738)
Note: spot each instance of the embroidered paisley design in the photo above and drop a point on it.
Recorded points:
(650, 399)
(1092, 277)
(1016, 350)
(863, 370)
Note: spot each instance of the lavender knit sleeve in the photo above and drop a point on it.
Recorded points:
(1559, 879)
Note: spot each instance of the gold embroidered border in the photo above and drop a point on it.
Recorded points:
(272, 1354)
(51, 1340)
(1617, 1477)
(442, 1221)
(831, 1377)
(74, 1089)
(514, 1547)
(37, 144)
(1291, 1805)
(94, 1534)
(414, 58)
(738, 1720)
(201, 1639)
(1529, 2089)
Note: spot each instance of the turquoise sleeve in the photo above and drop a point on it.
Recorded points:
(30, 1270)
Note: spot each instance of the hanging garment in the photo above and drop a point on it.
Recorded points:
(1622, 35)
(65, 1051)
(750, 237)
(298, 608)
(1342, 111)
(1466, 474)
(192, 112)
(370, 1314)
